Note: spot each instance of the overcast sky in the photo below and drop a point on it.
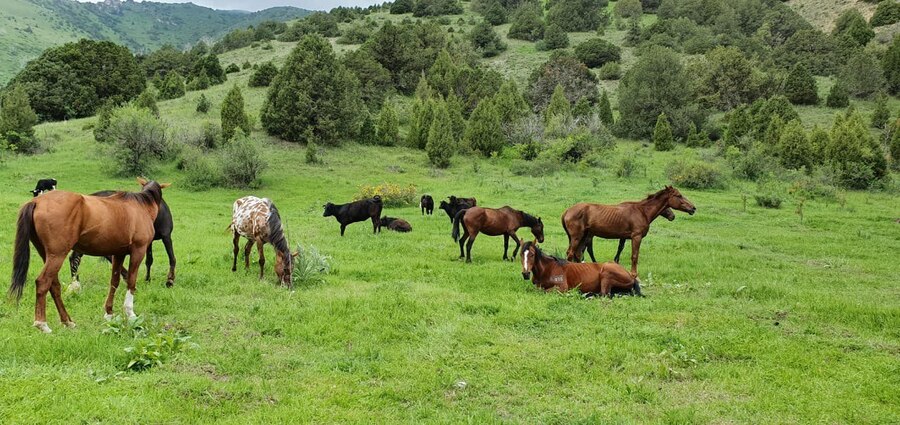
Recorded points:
(254, 5)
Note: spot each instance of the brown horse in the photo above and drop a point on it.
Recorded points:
(588, 241)
(551, 273)
(494, 222)
(258, 220)
(57, 222)
(628, 220)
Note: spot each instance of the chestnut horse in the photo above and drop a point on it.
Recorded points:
(551, 273)
(494, 222)
(589, 239)
(57, 222)
(628, 220)
(257, 219)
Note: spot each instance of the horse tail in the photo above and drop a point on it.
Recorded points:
(22, 252)
(637, 288)
(456, 222)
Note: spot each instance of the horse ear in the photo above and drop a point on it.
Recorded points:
(141, 181)
(164, 185)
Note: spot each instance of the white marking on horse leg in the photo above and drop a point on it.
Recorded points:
(108, 317)
(75, 286)
(129, 304)
(42, 326)
(70, 324)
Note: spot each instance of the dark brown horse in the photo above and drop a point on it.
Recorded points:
(494, 222)
(57, 222)
(551, 273)
(628, 220)
(588, 243)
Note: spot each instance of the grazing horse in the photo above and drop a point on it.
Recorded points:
(257, 219)
(551, 273)
(426, 204)
(456, 205)
(162, 228)
(356, 211)
(588, 242)
(119, 225)
(628, 220)
(396, 224)
(494, 222)
(43, 185)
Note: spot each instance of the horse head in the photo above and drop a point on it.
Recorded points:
(538, 230)
(668, 214)
(284, 267)
(153, 188)
(677, 201)
(529, 256)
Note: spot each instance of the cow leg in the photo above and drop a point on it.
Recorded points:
(505, 245)
(262, 257)
(376, 221)
(247, 249)
(237, 248)
(149, 261)
(170, 252)
(113, 285)
(518, 245)
(619, 251)
(74, 265)
(343, 226)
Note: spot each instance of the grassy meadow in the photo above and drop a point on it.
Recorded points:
(751, 315)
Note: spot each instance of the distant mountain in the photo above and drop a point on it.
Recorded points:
(27, 27)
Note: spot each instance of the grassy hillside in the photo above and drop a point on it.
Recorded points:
(31, 26)
(822, 13)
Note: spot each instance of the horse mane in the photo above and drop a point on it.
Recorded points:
(528, 219)
(149, 195)
(659, 193)
(276, 232)
(540, 253)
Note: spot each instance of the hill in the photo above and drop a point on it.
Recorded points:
(30, 26)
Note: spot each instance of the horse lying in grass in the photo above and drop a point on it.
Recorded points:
(257, 219)
(627, 220)
(494, 222)
(57, 222)
(551, 273)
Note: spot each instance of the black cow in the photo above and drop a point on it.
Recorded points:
(44, 185)
(356, 211)
(456, 205)
(396, 224)
(426, 204)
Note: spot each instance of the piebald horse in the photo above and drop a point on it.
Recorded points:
(494, 222)
(258, 220)
(57, 222)
(551, 273)
(627, 220)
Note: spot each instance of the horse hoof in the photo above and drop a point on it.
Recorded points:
(107, 317)
(170, 283)
(42, 326)
(70, 324)
(75, 286)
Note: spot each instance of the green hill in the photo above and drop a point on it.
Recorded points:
(30, 26)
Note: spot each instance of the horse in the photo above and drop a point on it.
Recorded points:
(588, 243)
(56, 222)
(162, 228)
(396, 224)
(456, 205)
(494, 222)
(258, 220)
(627, 220)
(356, 211)
(551, 273)
(426, 204)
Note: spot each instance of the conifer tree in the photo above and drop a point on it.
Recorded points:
(16, 114)
(203, 104)
(440, 145)
(794, 147)
(484, 133)
(147, 100)
(233, 115)
(890, 65)
(605, 110)
(663, 140)
(800, 86)
(838, 97)
(882, 114)
(388, 130)
(510, 103)
(559, 105)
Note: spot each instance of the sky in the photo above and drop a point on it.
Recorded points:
(254, 5)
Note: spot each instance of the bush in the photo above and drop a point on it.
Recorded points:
(232, 68)
(695, 175)
(597, 52)
(246, 65)
(768, 200)
(210, 136)
(242, 162)
(800, 87)
(147, 100)
(567, 71)
(135, 140)
(855, 156)
(663, 140)
(751, 165)
(392, 195)
(200, 171)
(862, 76)
(309, 265)
(486, 40)
(17, 121)
(233, 115)
(627, 166)
(576, 15)
(387, 131)
(574, 147)
(203, 104)
(540, 167)
(610, 71)
(887, 13)
(838, 96)
(554, 38)
(881, 114)
(263, 75)
(527, 23)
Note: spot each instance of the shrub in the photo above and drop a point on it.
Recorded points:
(554, 38)
(838, 96)
(862, 76)
(768, 200)
(232, 68)
(628, 9)
(604, 110)
(887, 13)
(540, 167)
(486, 40)
(751, 165)
(663, 140)
(852, 25)
(200, 82)
(388, 129)
(567, 71)
(576, 15)
(233, 115)
(855, 156)
(136, 140)
(104, 119)
(495, 13)
(610, 71)
(574, 147)
(894, 146)
(800, 87)
(440, 145)
(527, 23)
(210, 136)
(263, 75)
(794, 147)
(627, 166)
(147, 100)
(203, 104)
(597, 52)
(392, 195)
(695, 175)
(309, 265)
(242, 162)
(881, 114)
(558, 107)
(246, 65)
(201, 172)
(484, 133)
(890, 65)
(17, 121)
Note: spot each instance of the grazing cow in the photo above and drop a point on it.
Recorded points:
(456, 205)
(356, 211)
(426, 204)
(396, 224)
(44, 185)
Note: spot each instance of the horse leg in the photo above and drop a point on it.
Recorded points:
(518, 245)
(619, 251)
(56, 293)
(635, 251)
(469, 247)
(247, 249)
(137, 255)
(170, 279)
(149, 261)
(590, 249)
(113, 285)
(43, 284)
(74, 264)
(505, 246)
(237, 248)
(262, 257)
